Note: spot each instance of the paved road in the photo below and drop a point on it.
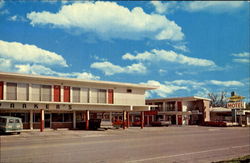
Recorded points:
(163, 144)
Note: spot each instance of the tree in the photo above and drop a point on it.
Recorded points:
(218, 99)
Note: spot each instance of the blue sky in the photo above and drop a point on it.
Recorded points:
(184, 48)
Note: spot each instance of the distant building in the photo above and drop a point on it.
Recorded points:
(180, 110)
(53, 102)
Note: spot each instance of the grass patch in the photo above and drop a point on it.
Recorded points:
(244, 159)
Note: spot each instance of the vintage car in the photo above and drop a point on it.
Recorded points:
(10, 124)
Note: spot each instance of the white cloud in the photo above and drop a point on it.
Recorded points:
(29, 53)
(242, 60)
(197, 6)
(17, 18)
(110, 20)
(244, 54)
(163, 89)
(183, 48)
(110, 69)
(169, 56)
(1, 3)
(42, 70)
(162, 8)
(226, 83)
(5, 64)
(242, 57)
(218, 6)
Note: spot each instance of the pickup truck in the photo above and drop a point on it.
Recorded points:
(160, 123)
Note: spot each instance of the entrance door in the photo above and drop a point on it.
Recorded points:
(179, 120)
(47, 120)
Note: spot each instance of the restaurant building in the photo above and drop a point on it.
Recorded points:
(180, 111)
(54, 102)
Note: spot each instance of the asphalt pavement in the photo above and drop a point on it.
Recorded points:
(151, 144)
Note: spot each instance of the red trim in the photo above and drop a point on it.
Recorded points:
(66, 94)
(179, 105)
(57, 93)
(110, 96)
(1, 90)
(152, 112)
(42, 120)
(179, 119)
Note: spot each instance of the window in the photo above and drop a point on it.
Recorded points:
(24, 116)
(94, 95)
(62, 117)
(37, 117)
(102, 96)
(46, 93)
(170, 106)
(85, 95)
(11, 91)
(76, 94)
(35, 95)
(68, 117)
(17, 121)
(57, 117)
(22, 91)
(129, 90)
(11, 120)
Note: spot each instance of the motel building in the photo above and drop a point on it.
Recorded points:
(53, 102)
(179, 111)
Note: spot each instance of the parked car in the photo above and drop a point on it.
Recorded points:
(106, 124)
(10, 124)
(160, 123)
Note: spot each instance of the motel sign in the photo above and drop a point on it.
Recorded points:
(236, 105)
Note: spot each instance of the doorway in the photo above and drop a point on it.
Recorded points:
(47, 117)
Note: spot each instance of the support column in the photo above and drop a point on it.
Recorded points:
(87, 120)
(42, 120)
(142, 120)
(128, 120)
(124, 119)
(31, 119)
(110, 116)
(74, 119)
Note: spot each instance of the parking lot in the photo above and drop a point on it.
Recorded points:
(151, 144)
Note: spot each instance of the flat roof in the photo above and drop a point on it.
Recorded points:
(74, 80)
(189, 98)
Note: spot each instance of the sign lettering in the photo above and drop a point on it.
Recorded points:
(234, 105)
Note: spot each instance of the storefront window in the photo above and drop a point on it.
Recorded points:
(37, 117)
(68, 117)
(57, 117)
(23, 116)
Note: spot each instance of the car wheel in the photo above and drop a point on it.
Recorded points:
(18, 133)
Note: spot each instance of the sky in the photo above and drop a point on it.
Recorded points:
(185, 48)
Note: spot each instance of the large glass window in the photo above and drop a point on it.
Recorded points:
(68, 117)
(22, 91)
(46, 93)
(76, 94)
(94, 95)
(24, 116)
(37, 117)
(62, 117)
(170, 106)
(85, 95)
(36, 89)
(102, 96)
(98, 95)
(11, 91)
